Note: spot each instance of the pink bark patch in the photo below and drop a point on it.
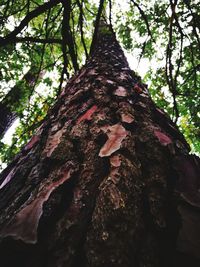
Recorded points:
(115, 161)
(32, 142)
(128, 118)
(110, 82)
(92, 72)
(87, 115)
(163, 138)
(25, 223)
(121, 91)
(53, 142)
(138, 89)
(8, 178)
(116, 134)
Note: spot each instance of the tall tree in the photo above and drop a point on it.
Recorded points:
(107, 180)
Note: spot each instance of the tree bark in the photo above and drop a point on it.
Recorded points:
(15, 100)
(106, 181)
(6, 119)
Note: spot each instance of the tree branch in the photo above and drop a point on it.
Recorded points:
(194, 22)
(11, 37)
(169, 65)
(100, 9)
(143, 16)
(38, 40)
(80, 5)
(67, 36)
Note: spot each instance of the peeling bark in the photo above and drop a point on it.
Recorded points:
(25, 223)
(107, 181)
(116, 133)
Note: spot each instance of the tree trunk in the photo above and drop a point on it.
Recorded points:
(106, 181)
(6, 119)
(16, 100)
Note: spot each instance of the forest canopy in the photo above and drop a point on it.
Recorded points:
(43, 43)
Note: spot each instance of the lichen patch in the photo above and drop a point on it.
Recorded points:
(116, 197)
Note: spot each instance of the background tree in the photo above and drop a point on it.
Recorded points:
(14, 103)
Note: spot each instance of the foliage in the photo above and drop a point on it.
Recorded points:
(167, 33)
(56, 41)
